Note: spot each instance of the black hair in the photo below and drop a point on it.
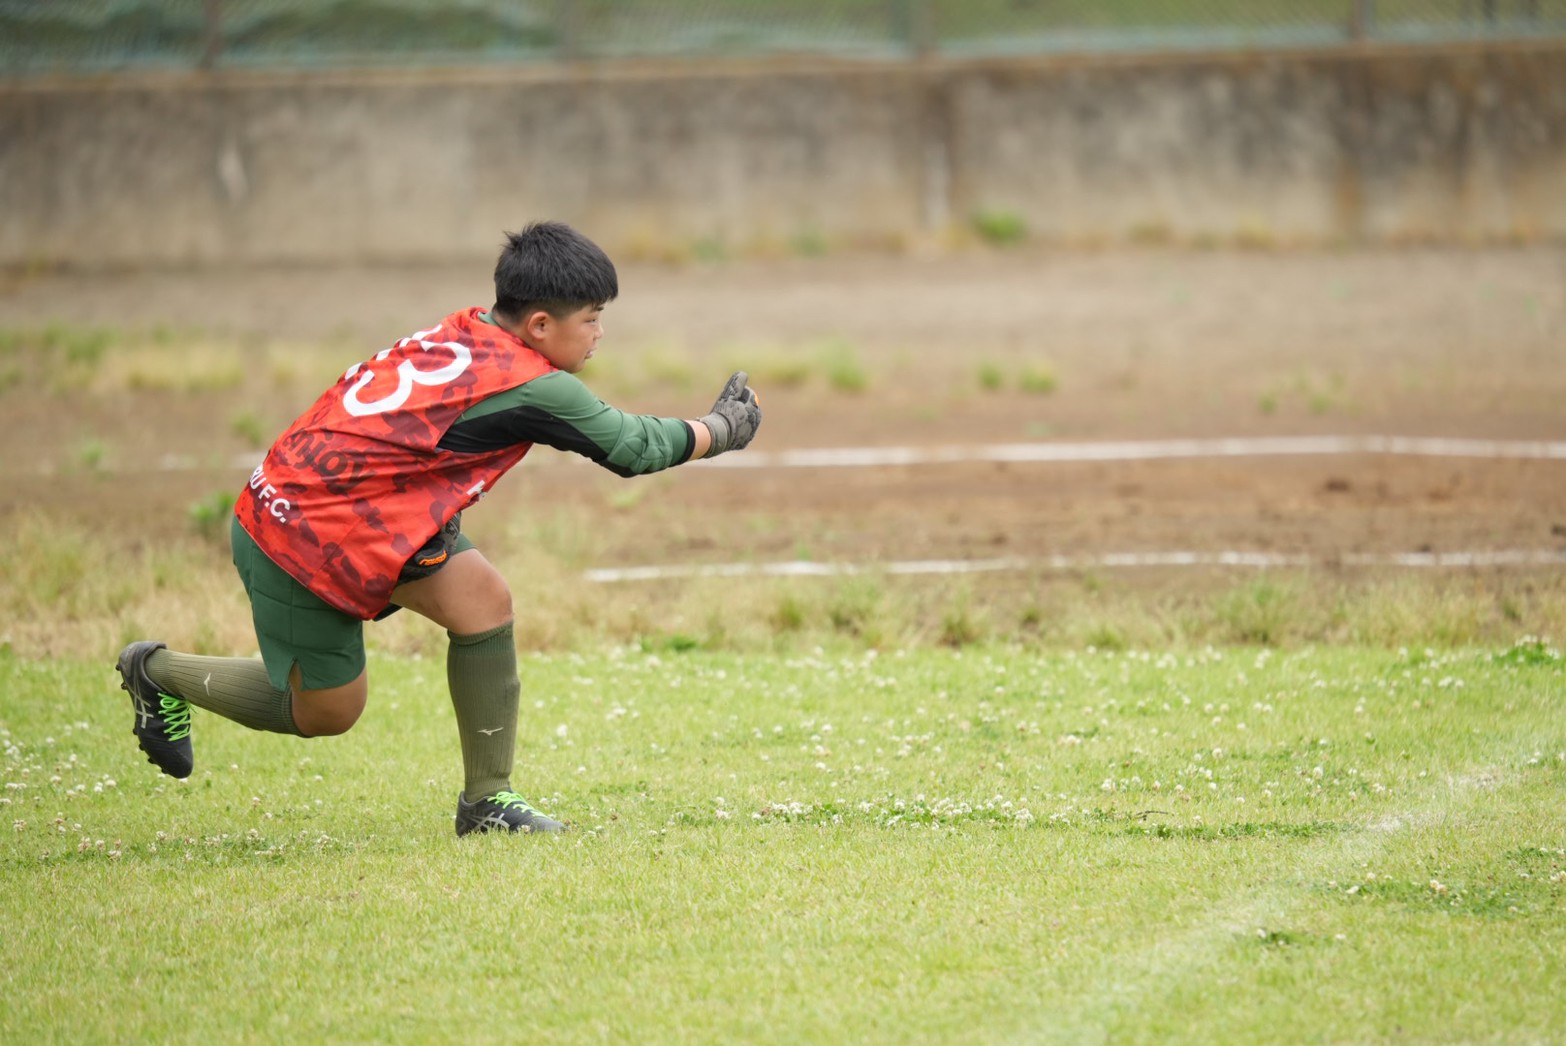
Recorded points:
(551, 266)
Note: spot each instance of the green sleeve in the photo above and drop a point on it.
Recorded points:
(557, 410)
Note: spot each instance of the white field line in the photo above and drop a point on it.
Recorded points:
(1044, 453)
(1164, 965)
(1112, 560)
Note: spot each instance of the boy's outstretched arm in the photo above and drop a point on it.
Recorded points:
(558, 411)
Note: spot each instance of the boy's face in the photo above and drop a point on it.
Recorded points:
(567, 342)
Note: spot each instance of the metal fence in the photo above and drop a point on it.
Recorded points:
(86, 36)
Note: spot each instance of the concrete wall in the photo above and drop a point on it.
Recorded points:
(1312, 147)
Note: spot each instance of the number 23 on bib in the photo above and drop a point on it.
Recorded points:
(363, 478)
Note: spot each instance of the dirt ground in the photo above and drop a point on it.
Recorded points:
(1137, 345)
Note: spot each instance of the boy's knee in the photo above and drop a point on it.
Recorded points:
(327, 713)
(500, 606)
(489, 603)
(327, 722)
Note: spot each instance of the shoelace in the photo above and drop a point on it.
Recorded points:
(175, 716)
(511, 801)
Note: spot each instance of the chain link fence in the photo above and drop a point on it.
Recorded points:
(90, 36)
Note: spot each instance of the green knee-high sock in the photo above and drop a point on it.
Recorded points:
(235, 688)
(481, 670)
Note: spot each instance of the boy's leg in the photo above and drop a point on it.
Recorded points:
(240, 689)
(481, 672)
(163, 684)
(236, 688)
(309, 682)
(313, 655)
(470, 599)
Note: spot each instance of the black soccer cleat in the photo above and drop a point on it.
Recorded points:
(502, 812)
(162, 721)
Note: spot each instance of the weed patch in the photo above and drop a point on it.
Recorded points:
(1240, 830)
(210, 516)
(1000, 228)
(844, 370)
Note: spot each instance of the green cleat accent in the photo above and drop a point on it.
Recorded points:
(502, 812)
(162, 725)
(176, 717)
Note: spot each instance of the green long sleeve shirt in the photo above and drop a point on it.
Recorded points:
(558, 411)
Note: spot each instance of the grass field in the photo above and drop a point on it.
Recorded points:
(1218, 804)
(1309, 845)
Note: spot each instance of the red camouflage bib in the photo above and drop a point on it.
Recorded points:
(357, 483)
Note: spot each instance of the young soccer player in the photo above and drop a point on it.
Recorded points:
(355, 512)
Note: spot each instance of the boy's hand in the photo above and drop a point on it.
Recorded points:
(735, 416)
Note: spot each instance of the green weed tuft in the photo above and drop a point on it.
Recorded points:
(772, 370)
(1000, 228)
(1106, 635)
(247, 425)
(209, 517)
(789, 614)
(854, 607)
(843, 368)
(1259, 612)
(961, 626)
(90, 455)
(673, 643)
(1037, 379)
(710, 249)
(1530, 650)
(1490, 900)
(78, 345)
(809, 243)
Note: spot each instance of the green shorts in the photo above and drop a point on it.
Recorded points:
(294, 626)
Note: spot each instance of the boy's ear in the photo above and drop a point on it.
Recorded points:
(537, 322)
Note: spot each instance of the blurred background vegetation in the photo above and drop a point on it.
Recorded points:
(69, 36)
